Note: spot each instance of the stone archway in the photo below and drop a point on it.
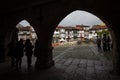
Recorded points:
(45, 16)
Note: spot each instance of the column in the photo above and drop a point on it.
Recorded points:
(44, 59)
(116, 52)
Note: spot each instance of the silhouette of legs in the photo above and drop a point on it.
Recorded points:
(18, 63)
(29, 61)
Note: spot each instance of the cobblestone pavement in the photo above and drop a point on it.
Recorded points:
(75, 62)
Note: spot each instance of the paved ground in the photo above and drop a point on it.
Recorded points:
(72, 62)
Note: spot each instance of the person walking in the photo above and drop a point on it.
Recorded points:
(29, 52)
(19, 50)
(11, 46)
(108, 43)
(104, 43)
(99, 44)
(11, 53)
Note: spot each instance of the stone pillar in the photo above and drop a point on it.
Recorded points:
(117, 62)
(116, 53)
(44, 60)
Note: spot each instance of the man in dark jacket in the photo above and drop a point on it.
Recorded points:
(29, 52)
(19, 53)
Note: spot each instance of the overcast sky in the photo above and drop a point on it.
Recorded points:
(24, 23)
(75, 18)
(80, 17)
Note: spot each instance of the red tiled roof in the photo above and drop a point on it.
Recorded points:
(96, 27)
(77, 27)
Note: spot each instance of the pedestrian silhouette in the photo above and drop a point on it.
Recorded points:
(108, 43)
(11, 53)
(104, 43)
(19, 53)
(99, 44)
(12, 45)
(29, 52)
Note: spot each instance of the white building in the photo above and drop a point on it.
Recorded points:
(69, 33)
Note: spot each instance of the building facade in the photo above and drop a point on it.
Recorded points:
(70, 33)
(27, 33)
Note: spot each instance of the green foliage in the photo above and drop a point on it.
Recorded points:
(103, 32)
(99, 33)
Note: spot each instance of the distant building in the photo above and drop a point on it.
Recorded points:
(99, 27)
(96, 28)
(27, 33)
(67, 33)
(78, 32)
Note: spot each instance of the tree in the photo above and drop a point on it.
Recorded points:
(103, 32)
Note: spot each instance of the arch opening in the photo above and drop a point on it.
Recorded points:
(26, 31)
(76, 36)
(23, 31)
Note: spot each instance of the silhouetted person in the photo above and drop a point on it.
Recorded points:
(99, 44)
(29, 52)
(12, 45)
(19, 53)
(108, 43)
(11, 53)
(104, 43)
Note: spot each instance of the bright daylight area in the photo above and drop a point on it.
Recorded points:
(26, 31)
(81, 40)
(79, 25)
